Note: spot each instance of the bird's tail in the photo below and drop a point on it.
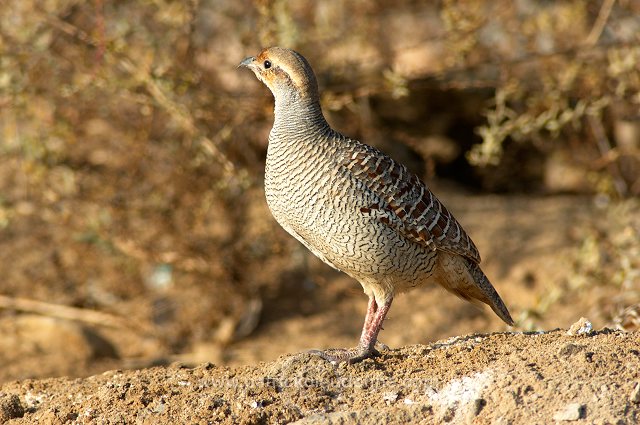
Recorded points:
(488, 293)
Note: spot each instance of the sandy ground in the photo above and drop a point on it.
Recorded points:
(505, 378)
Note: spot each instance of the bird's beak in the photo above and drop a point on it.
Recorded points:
(246, 62)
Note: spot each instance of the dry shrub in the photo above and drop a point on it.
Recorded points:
(132, 150)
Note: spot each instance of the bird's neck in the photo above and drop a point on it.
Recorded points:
(299, 116)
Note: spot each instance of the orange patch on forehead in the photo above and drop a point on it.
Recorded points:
(262, 56)
(287, 63)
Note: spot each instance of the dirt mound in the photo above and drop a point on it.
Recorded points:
(590, 377)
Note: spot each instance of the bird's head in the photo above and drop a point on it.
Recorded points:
(286, 73)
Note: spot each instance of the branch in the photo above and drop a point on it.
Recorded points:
(601, 21)
(64, 312)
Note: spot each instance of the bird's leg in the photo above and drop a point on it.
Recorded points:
(372, 327)
(366, 348)
(372, 307)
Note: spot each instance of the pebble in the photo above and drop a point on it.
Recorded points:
(390, 397)
(478, 405)
(570, 412)
(635, 394)
(581, 327)
(570, 349)
(10, 407)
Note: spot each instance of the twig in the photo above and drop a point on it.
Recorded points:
(67, 28)
(63, 312)
(604, 145)
(601, 21)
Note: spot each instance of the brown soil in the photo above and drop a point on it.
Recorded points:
(497, 378)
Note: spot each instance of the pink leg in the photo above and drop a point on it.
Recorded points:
(372, 325)
(366, 348)
(372, 307)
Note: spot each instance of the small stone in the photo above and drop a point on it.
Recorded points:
(449, 414)
(635, 394)
(478, 405)
(571, 412)
(570, 349)
(390, 397)
(581, 327)
(10, 407)
(160, 408)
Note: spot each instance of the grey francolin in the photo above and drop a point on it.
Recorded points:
(357, 209)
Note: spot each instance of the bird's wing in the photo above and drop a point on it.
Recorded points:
(406, 203)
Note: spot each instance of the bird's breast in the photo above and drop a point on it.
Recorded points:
(303, 185)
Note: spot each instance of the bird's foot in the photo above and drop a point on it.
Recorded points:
(346, 355)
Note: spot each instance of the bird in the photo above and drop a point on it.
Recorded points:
(356, 208)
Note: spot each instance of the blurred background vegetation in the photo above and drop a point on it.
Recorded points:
(132, 150)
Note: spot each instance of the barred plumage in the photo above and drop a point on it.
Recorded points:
(356, 208)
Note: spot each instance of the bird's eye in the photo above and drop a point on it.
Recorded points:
(267, 64)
